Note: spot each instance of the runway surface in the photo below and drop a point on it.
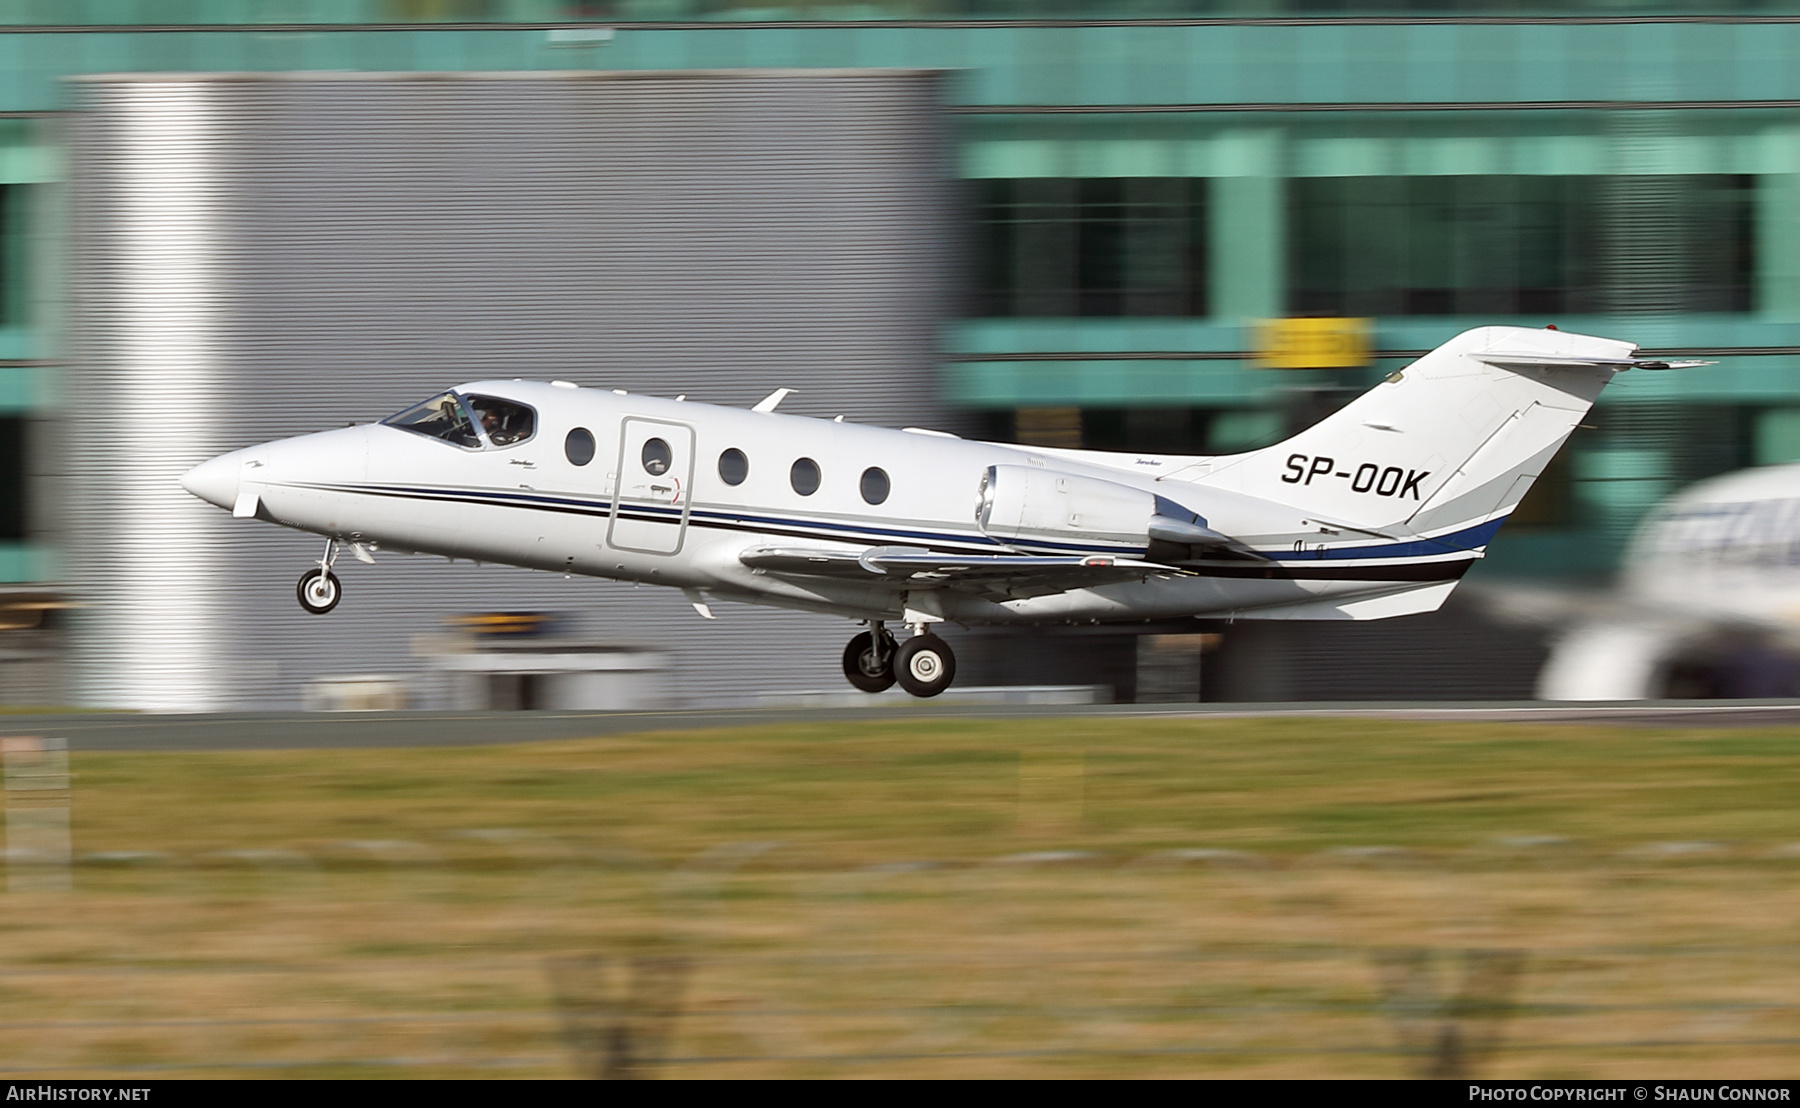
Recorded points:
(325, 730)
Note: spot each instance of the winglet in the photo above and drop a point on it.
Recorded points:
(768, 403)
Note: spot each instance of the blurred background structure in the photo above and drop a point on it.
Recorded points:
(1050, 222)
(351, 243)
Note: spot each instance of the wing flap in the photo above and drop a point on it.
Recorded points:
(807, 562)
(1011, 575)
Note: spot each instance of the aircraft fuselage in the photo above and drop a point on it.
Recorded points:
(1374, 512)
(529, 504)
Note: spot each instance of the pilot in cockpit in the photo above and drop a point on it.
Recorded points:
(502, 421)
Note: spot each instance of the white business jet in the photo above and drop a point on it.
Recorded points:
(1708, 596)
(1377, 511)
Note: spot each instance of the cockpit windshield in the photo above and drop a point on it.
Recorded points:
(505, 422)
(441, 417)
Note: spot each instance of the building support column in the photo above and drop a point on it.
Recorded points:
(1778, 245)
(1247, 228)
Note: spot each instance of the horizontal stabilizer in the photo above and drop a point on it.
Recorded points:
(1507, 360)
(1651, 364)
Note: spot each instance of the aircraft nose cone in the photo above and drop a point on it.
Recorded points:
(214, 481)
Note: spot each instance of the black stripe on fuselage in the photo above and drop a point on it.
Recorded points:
(1450, 570)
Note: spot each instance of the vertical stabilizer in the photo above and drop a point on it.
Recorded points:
(1453, 440)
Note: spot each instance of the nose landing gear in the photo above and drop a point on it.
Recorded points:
(923, 664)
(319, 590)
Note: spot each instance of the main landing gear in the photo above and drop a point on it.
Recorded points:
(319, 590)
(923, 664)
(869, 659)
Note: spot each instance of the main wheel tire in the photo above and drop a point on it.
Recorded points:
(868, 670)
(319, 591)
(924, 665)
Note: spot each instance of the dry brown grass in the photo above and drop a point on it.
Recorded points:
(852, 900)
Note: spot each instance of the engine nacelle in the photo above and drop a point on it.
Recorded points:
(1042, 505)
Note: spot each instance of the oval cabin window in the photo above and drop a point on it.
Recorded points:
(579, 446)
(805, 476)
(733, 467)
(875, 486)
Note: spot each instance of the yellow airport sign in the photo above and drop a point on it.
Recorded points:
(1313, 343)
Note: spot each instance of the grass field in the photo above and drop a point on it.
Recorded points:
(951, 897)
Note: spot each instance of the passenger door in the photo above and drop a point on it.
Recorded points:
(655, 471)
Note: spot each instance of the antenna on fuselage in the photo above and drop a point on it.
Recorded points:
(767, 403)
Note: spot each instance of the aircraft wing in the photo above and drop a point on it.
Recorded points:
(999, 576)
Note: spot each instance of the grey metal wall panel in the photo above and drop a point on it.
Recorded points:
(259, 256)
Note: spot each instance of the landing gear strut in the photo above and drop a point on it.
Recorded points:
(869, 659)
(319, 590)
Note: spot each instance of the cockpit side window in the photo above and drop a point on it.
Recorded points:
(441, 417)
(505, 422)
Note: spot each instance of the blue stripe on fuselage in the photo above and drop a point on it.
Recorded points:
(1458, 542)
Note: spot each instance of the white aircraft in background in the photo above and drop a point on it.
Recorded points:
(1710, 584)
(1376, 511)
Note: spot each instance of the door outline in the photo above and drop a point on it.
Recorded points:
(685, 485)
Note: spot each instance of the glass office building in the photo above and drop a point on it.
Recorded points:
(1142, 183)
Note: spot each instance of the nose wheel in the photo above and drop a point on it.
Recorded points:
(319, 589)
(869, 659)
